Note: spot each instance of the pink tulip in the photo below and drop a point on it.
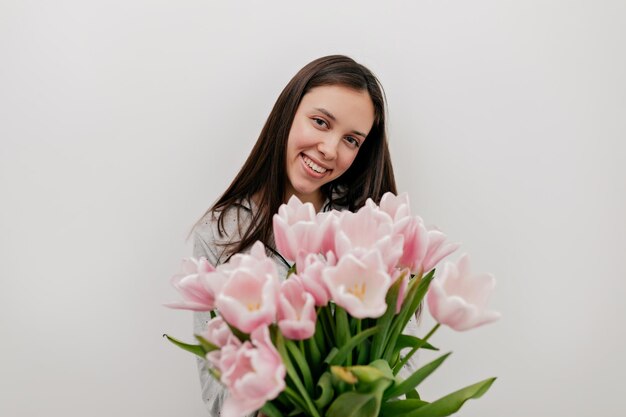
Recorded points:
(296, 229)
(404, 275)
(359, 285)
(327, 223)
(311, 272)
(219, 334)
(296, 310)
(422, 249)
(415, 242)
(438, 249)
(255, 259)
(458, 299)
(253, 373)
(369, 229)
(397, 207)
(247, 299)
(193, 284)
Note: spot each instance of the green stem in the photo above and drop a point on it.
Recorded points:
(330, 322)
(417, 346)
(314, 355)
(270, 410)
(296, 399)
(360, 347)
(293, 375)
(343, 329)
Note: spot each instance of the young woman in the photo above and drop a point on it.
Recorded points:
(325, 142)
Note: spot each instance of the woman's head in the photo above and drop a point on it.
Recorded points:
(328, 130)
(358, 101)
(371, 168)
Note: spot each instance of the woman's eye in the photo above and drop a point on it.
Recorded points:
(353, 141)
(320, 122)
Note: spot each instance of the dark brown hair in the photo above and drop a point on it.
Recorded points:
(264, 172)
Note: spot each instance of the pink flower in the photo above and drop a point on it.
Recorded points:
(415, 242)
(369, 229)
(422, 249)
(296, 229)
(438, 249)
(405, 275)
(219, 334)
(296, 310)
(397, 207)
(193, 284)
(247, 299)
(311, 272)
(327, 222)
(359, 285)
(253, 373)
(458, 299)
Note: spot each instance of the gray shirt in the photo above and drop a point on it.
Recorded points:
(207, 243)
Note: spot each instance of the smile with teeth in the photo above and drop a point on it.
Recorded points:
(313, 165)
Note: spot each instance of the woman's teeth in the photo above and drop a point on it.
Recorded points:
(313, 165)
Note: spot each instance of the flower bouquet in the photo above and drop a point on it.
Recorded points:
(329, 339)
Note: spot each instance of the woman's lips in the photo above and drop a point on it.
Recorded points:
(310, 170)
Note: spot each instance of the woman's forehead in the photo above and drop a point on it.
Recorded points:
(341, 104)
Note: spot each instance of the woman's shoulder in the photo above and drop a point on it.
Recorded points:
(217, 229)
(225, 225)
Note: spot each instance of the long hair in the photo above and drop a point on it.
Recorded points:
(264, 172)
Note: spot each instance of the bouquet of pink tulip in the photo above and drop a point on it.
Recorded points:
(327, 340)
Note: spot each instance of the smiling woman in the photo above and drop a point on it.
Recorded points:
(325, 138)
(324, 142)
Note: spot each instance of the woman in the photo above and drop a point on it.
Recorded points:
(324, 142)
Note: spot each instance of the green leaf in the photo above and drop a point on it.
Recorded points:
(342, 325)
(294, 398)
(331, 355)
(384, 322)
(326, 391)
(364, 353)
(416, 378)
(399, 364)
(422, 288)
(451, 403)
(270, 410)
(405, 341)
(319, 334)
(206, 345)
(415, 293)
(313, 350)
(413, 395)
(297, 412)
(341, 355)
(400, 407)
(293, 375)
(359, 403)
(305, 371)
(354, 404)
(195, 349)
(384, 367)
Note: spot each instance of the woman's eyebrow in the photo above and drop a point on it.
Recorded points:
(333, 118)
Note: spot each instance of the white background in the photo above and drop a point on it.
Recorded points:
(122, 121)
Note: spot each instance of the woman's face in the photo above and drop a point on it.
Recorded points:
(330, 125)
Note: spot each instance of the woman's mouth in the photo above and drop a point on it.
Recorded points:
(312, 168)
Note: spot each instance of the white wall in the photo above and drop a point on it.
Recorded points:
(121, 122)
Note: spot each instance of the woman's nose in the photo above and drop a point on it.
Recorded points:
(328, 148)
